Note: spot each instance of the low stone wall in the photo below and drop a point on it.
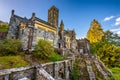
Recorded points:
(18, 73)
(48, 71)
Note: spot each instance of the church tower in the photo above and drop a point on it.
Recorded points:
(53, 14)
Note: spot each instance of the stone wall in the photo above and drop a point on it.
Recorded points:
(48, 71)
(18, 73)
(28, 34)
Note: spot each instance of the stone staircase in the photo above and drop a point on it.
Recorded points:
(87, 64)
(90, 71)
(100, 67)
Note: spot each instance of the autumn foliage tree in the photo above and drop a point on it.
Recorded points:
(105, 44)
(95, 33)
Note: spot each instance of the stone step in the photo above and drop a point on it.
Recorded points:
(100, 69)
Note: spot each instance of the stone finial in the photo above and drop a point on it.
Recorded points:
(12, 13)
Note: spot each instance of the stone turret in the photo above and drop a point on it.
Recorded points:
(61, 26)
(61, 30)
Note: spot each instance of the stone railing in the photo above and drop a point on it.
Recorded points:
(59, 69)
(48, 71)
(27, 73)
(100, 69)
(42, 74)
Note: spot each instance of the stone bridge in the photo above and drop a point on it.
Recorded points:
(49, 71)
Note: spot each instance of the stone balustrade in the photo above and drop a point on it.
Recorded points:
(48, 71)
(100, 69)
(59, 69)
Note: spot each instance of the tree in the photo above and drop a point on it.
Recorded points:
(95, 33)
(108, 50)
(109, 54)
(112, 38)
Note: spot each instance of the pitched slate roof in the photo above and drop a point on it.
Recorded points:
(45, 22)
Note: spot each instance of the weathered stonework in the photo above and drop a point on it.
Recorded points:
(60, 69)
(30, 31)
(18, 73)
(48, 71)
(25, 30)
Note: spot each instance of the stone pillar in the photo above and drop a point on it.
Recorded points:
(56, 70)
(6, 77)
(66, 71)
(72, 63)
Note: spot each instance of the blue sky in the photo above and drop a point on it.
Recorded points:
(76, 14)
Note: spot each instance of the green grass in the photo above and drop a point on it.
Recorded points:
(4, 28)
(56, 57)
(116, 73)
(12, 62)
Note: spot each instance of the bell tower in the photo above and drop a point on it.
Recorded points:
(53, 14)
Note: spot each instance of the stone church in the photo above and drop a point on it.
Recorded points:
(29, 31)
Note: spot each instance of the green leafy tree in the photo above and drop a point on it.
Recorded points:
(108, 53)
(95, 33)
(10, 47)
(108, 50)
(112, 38)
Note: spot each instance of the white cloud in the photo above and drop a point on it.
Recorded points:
(117, 22)
(108, 18)
(113, 30)
(117, 31)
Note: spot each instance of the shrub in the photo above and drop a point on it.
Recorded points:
(75, 74)
(56, 57)
(9, 47)
(44, 50)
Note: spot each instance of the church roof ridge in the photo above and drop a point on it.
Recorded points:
(43, 21)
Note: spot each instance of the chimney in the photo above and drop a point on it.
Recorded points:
(33, 16)
(12, 13)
